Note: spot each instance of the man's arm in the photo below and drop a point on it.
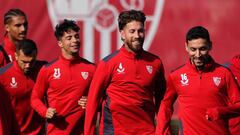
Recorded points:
(38, 93)
(98, 85)
(231, 111)
(166, 110)
(160, 88)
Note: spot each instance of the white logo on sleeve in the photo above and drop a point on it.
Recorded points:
(120, 69)
(13, 83)
(84, 75)
(217, 80)
(149, 69)
(57, 73)
(184, 79)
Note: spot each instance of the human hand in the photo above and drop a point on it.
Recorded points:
(212, 114)
(82, 102)
(50, 113)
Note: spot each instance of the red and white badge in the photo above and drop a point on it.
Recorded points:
(98, 22)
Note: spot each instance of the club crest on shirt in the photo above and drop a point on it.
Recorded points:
(149, 69)
(217, 80)
(57, 73)
(184, 79)
(84, 75)
(120, 69)
(13, 83)
(98, 17)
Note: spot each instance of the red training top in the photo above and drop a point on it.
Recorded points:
(127, 83)
(234, 124)
(199, 94)
(64, 82)
(19, 87)
(10, 50)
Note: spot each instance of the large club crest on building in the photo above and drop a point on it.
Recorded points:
(98, 22)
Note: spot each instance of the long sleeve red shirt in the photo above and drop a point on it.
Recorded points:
(200, 93)
(19, 87)
(8, 122)
(10, 50)
(64, 82)
(234, 123)
(127, 84)
(235, 67)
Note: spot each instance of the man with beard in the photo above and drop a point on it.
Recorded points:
(16, 26)
(126, 83)
(65, 81)
(17, 80)
(204, 90)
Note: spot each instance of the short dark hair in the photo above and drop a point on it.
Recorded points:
(27, 46)
(13, 12)
(65, 26)
(198, 32)
(130, 15)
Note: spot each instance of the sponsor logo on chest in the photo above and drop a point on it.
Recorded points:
(120, 69)
(184, 79)
(57, 73)
(13, 83)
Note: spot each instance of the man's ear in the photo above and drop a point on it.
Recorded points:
(16, 55)
(7, 27)
(59, 44)
(122, 33)
(186, 47)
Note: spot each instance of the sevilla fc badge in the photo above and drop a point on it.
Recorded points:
(98, 22)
